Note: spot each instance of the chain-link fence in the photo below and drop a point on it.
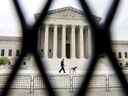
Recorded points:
(101, 45)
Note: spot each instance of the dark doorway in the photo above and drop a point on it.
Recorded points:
(68, 50)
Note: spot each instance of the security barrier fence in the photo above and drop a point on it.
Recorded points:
(101, 45)
(65, 85)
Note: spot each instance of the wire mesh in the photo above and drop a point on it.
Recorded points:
(101, 42)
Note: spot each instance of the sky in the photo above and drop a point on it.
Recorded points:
(9, 24)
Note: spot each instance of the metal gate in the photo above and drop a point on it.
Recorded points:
(20, 87)
(101, 45)
(65, 85)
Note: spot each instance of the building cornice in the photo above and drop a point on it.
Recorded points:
(10, 38)
(19, 38)
(119, 42)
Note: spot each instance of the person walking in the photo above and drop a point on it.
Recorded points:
(62, 66)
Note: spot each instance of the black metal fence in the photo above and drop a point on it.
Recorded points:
(101, 45)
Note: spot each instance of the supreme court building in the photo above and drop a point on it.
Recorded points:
(64, 34)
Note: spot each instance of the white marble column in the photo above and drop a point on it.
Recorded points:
(81, 42)
(55, 42)
(73, 51)
(63, 41)
(46, 41)
(89, 49)
(39, 36)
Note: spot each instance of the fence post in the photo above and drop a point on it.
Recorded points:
(108, 86)
(32, 86)
(71, 83)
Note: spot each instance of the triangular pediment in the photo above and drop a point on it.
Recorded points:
(65, 12)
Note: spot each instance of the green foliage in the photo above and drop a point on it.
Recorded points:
(4, 60)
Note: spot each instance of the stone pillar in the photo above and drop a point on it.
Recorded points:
(73, 51)
(89, 41)
(39, 36)
(81, 42)
(46, 41)
(63, 41)
(55, 42)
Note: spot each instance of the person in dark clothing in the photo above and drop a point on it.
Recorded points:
(62, 66)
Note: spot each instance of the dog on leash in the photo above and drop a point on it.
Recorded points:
(74, 69)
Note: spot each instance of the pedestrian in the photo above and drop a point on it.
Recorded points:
(62, 66)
